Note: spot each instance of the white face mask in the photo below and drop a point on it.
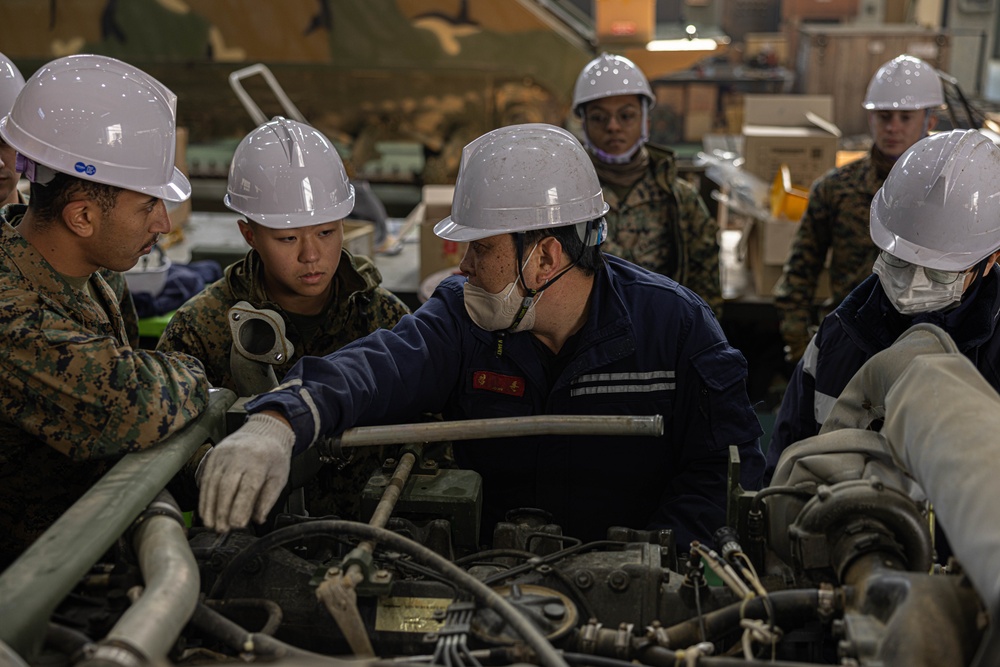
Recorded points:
(911, 291)
(494, 312)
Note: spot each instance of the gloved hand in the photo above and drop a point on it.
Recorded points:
(245, 473)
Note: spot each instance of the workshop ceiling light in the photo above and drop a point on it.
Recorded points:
(683, 44)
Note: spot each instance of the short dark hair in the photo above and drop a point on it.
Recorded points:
(587, 258)
(47, 201)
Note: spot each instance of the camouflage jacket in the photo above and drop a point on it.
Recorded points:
(360, 306)
(836, 221)
(201, 328)
(74, 394)
(663, 225)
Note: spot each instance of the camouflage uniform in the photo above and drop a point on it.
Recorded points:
(837, 219)
(75, 395)
(663, 225)
(201, 328)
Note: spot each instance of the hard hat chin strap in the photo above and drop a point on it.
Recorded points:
(34, 172)
(593, 234)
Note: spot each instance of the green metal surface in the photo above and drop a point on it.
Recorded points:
(32, 587)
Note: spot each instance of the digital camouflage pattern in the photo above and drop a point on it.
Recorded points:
(663, 225)
(835, 221)
(74, 394)
(116, 281)
(360, 306)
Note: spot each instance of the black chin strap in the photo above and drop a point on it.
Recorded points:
(530, 293)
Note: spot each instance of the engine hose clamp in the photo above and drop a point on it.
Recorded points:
(588, 636)
(118, 653)
(331, 450)
(622, 637)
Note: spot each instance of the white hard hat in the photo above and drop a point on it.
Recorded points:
(939, 208)
(904, 83)
(519, 178)
(286, 174)
(102, 120)
(608, 75)
(11, 83)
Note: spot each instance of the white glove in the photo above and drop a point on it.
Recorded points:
(245, 473)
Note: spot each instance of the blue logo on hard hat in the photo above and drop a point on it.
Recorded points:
(82, 168)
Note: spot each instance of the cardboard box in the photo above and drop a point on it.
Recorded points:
(359, 237)
(625, 20)
(697, 125)
(789, 129)
(828, 10)
(436, 254)
(702, 97)
(768, 245)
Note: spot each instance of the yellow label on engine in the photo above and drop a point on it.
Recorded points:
(400, 614)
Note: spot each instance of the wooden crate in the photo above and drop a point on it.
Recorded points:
(840, 60)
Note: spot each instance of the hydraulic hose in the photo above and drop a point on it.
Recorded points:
(546, 654)
(239, 639)
(271, 608)
(67, 641)
(790, 605)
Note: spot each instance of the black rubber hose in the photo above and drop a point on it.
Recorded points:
(269, 607)
(67, 641)
(788, 605)
(496, 553)
(544, 651)
(657, 656)
(240, 639)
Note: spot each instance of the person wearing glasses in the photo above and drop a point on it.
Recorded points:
(657, 220)
(934, 223)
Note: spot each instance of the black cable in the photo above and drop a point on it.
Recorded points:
(657, 656)
(778, 490)
(697, 608)
(238, 638)
(65, 640)
(550, 559)
(495, 553)
(544, 652)
(271, 608)
(276, 538)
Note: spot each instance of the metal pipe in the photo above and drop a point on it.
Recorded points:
(392, 492)
(32, 587)
(172, 583)
(338, 591)
(507, 427)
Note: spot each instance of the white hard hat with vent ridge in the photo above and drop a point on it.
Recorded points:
(99, 119)
(609, 75)
(519, 178)
(286, 174)
(11, 83)
(939, 208)
(904, 83)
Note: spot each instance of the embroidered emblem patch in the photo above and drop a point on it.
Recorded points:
(501, 384)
